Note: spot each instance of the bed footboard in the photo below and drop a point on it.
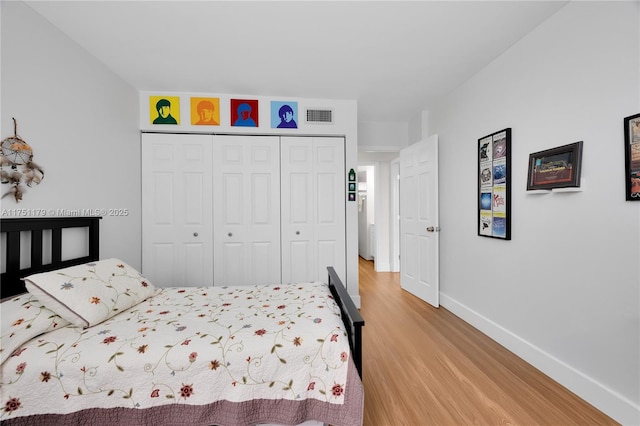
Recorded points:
(351, 317)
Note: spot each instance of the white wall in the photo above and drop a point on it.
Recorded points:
(82, 122)
(419, 127)
(376, 136)
(564, 292)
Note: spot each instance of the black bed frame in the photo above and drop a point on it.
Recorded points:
(13, 228)
(12, 283)
(351, 317)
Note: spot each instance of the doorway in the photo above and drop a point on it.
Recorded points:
(366, 212)
(375, 168)
(419, 233)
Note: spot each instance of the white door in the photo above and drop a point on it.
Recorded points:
(313, 208)
(246, 218)
(419, 225)
(176, 209)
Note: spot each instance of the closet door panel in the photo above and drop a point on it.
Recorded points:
(246, 193)
(154, 261)
(176, 209)
(232, 200)
(233, 268)
(161, 204)
(195, 267)
(262, 265)
(298, 235)
(194, 206)
(313, 207)
(299, 202)
(326, 205)
(330, 203)
(261, 200)
(299, 264)
(327, 255)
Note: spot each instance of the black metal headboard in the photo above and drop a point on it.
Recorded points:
(10, 279)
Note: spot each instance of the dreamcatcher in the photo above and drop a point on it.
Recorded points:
(16, 165)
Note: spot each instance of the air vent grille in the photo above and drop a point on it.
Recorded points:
(320, 116)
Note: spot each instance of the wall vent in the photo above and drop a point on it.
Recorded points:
(324, 116)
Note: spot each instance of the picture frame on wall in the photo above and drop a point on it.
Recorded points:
(632, 157)
(558, 167)
(494, 185)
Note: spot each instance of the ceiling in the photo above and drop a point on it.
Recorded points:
(395, 57)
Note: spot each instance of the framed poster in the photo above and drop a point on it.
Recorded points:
(164, 109)
(632, 157)
(205, 111)
(244, 112)
(494, 185)
(284, 115)
(555, 168)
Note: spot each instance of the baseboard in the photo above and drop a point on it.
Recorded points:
(606, 400)
(382, 267)
(356, 300)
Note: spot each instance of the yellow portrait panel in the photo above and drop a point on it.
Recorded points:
(205, 111)
(164, 109)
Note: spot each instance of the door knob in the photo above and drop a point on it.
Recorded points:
(195, 234)
(433, 229)
(297, 232)
(230, 234)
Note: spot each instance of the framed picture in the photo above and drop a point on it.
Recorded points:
(352, 186)
(632, 157)
(555, 168)
(494, 185)
(164, 109)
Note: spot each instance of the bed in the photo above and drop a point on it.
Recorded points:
(92, 341)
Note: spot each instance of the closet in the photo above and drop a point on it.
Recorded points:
(241, 210)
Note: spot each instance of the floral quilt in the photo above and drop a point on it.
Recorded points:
(191, 346)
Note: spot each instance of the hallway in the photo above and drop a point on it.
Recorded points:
(425, 366)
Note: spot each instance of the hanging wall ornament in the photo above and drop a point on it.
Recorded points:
(16, 165)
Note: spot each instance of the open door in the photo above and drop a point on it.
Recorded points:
(419, 223)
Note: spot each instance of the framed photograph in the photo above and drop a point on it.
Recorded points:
(632, 157)
(494, 185)
(352, 186)
(555, 168)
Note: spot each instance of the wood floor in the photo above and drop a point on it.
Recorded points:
(425, 366)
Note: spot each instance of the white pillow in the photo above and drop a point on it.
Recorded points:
(86, 295)
(23, 318)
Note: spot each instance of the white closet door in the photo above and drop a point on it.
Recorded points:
(313, 208)
(247, 210)
(176, 210)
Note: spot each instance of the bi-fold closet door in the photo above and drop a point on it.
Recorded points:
(313, 208)
(240, 210)
(246, 210)
(176, 209)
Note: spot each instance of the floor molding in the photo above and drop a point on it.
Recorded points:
(598, 395)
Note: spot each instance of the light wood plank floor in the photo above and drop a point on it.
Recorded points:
(425, 366)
